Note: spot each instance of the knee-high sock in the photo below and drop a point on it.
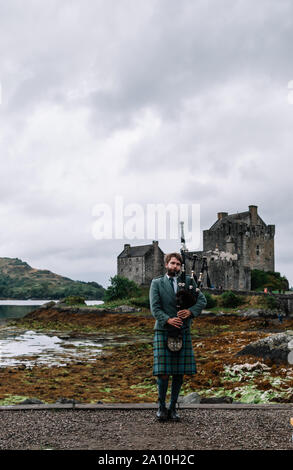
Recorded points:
(162, 389)
(177, 381)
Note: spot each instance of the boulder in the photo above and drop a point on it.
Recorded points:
(271, 313)
(251, 313)
(126, 309)
(216, 400)
(244, 368)
(31, 401)
(262, 313)
(275, 347)
(195, 398)
(189, 399)
(66, 401)
(80, 310)
(207, 313)
(48, 305)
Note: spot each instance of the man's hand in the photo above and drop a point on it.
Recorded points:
(177, 322)
(184, 314)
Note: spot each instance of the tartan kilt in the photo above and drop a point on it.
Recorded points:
(169, 363)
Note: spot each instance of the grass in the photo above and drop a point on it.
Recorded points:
(12, 400)
(249, 394)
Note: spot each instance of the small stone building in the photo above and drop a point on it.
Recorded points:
(141, 263)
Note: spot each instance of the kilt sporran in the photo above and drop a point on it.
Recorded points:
(174, 339)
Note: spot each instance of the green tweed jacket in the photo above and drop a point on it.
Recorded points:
(163, 302)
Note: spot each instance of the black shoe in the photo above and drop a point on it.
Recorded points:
(162, 413)
(172, 415)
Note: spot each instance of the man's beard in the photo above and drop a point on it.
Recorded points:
(172, 272)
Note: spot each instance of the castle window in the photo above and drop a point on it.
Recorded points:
(257, 250)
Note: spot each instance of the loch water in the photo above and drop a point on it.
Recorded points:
(19, 347)
(10, 309)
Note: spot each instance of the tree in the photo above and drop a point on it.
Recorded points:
(229, 299)
(121, 288)
(271, 280)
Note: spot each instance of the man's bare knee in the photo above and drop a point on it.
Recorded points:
(164, 377)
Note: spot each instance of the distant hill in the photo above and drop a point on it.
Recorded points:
(18, 280)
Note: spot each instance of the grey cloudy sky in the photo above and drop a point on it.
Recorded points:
(157, 102)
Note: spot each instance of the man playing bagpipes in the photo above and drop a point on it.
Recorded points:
(174, 301)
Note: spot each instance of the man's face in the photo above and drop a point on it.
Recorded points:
(173, 267)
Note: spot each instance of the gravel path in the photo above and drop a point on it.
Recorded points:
(138, 429)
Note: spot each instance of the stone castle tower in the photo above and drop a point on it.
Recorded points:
(245, 234)
(233, 246)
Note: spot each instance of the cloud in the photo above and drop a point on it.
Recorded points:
(157, 102)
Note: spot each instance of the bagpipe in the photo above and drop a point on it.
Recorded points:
(186, 296)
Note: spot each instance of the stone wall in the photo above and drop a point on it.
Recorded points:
(142, 269)
(258, 248)
(230, 232)
(228, 273)
(132, 268)
(158, 260)
(286, 300)
(246, 235)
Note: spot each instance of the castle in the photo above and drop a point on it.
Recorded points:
(141, 263)
(233, 246)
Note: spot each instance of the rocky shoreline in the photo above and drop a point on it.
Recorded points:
(246, 313)
(124, 373)
(62, 307)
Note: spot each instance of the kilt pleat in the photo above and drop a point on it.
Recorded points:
(169, 363)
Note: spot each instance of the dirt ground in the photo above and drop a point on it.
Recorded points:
(199, 429)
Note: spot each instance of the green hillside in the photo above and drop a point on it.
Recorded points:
(18, 280)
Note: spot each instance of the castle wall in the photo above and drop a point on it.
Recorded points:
(227, 234)
(154, 264)
(132, 268)
(249, 237)
(158, 261)
(150, 267)
(142, 269)
(224, 273)
(258, 248)
(233, 246)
